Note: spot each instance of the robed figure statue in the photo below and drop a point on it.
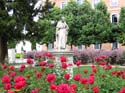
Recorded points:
(61, 34)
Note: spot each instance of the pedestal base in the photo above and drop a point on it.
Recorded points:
(68, 54)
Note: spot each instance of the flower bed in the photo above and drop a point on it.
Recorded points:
(48, 78)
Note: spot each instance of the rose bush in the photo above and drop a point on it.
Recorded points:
(50, 77)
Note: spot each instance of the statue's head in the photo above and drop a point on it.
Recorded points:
(63, 18)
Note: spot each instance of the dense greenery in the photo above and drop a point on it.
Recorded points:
(122, 24)
(87, 25)
(102, 24)
(12, 25)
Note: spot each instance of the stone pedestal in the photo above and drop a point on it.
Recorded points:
(68, 54)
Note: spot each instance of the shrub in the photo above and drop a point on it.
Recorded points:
(114, 56)
(19, 55)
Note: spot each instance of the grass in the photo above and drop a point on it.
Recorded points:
(80, 70)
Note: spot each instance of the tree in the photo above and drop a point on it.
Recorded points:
(122, 25)
(102, 24)
(7, 24)
(12, 26)
(70, 12)
(48, 26)
(86, 22)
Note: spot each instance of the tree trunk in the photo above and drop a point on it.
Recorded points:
(85, 46)
(3, 50)
(71, 47)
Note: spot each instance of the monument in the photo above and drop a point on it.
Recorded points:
(61, 41)
(61, 34)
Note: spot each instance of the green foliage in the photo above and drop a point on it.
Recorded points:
(19, 55)
(116, 34)
(102, 24)
(122, 19)
(86, 13)
(12, 27)
(122, 24)
(48, 26)
(87, 25)
(71, 13)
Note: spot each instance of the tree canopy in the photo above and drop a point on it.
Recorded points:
(122, 25)
(20, 24)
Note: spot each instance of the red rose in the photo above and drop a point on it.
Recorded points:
(64, 66)
(23, 66)
(94, 70)
(102, 63)
(95, 89)
(49, 54)
(107, 67)
(20, 82)
(123, 76)
(91, 80)
(50, 78)
(63, 88)
(6, 79)
(73, 86)
(84, 81)
(29, 61)
(114, 72)
(62, 58)
(67, 76)
(4, 66)
(122, 90)
(19, 78)
(42, 63)
(51, 65)
(78, 63)
(12, 67)
(19, 85)
(21, 69)
(53, 87)
(104, 57)
(97, 58)
(7, 86)
(77, 77)
(34, 91)
(12, 74)
(38, 75)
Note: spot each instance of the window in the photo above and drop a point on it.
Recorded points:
(80, 47)
(115, 45)
(114, 18)
(79, 2)
(50, 46)
(114, 2)
(63, 4)
(97, 46)
(96, 2)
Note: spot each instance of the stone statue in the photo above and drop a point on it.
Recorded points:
(61, 34)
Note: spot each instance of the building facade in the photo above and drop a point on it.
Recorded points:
(114, 6)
